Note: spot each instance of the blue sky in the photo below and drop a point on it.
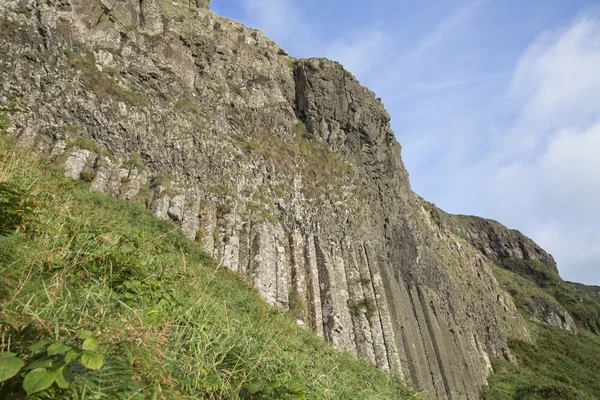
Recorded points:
(496, 103)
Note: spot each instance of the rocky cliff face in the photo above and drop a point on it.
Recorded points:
(513, 251)
(285, 170)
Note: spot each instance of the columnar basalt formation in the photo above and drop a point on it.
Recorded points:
(285, 170)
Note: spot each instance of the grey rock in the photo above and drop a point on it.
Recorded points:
(176, 208)
(286, 171)
(511, 250)
(160, 204)
(77, 162)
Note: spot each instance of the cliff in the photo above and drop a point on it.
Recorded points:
(285, 170)
(514, 252)
(529, 274)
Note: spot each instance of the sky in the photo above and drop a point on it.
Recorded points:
(496, 103)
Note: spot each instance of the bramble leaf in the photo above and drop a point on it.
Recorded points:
(90, 344)
(71, 355)
(93, 361)
(9, 367)
(63, 377)
(38, 380)
(84, 334)
(58, 348)
(45, 362)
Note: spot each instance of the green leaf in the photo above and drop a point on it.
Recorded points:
(58, 365)
(6, 354)
(9, 367)
(63, 377)
(71, 355)
(254, 388)
(275, 384)
(93, 361)
(84, 334)
(268, 390)
(45, 362)
(38, 347)
(295, 388)
(58, 348)
(38, 380)
(90, 344)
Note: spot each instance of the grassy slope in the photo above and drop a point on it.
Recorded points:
(172, 323)
(557, 365)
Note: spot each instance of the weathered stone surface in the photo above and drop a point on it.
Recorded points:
(512, 250)
(285, 170)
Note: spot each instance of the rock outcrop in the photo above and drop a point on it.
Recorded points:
(513, 251)
(285, 170)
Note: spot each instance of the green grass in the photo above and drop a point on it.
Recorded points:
(526, 294)
(171, 322)
(532, 285)
(558, 365)
(583, 303)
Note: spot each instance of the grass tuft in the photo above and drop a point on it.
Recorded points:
(559, 365)
(170, 322)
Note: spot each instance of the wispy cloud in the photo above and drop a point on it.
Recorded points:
(545, 175)
(557, 84)
(283, 21)
(435, 87)
(445, 29)
(361, 53)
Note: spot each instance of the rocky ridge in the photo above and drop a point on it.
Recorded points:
(285, 170)
(513, 251)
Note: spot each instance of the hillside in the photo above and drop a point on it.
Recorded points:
(171, 322)
(530, 274)
(161, 309)
(558, 358)
(287, 173)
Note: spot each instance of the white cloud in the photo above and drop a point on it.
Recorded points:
(580, 250)
(557, 83)
(443, 31)
(362, 53)
(570, 169)
(276, 17)
(546, 173)
(561, 76)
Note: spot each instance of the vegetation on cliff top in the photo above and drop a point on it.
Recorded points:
(166, 321)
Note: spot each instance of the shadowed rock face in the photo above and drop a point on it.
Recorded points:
(285, 170)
